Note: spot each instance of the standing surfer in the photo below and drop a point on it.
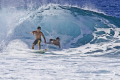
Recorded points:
(38, 35)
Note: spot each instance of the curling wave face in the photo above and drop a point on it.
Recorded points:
(74, 26)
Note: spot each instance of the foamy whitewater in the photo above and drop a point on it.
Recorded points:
(90, 42)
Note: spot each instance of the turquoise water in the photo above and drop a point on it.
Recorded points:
(89, 40)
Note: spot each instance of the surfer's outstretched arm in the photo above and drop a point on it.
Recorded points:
(32, 32)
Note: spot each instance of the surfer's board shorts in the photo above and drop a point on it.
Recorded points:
(37, 41)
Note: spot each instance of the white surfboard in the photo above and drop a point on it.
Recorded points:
(40, 51)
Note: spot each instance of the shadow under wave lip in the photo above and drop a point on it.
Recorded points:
(75, 26)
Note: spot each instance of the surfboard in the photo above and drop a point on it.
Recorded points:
(40, 51)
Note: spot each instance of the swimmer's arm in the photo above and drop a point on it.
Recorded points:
(59, 45)
(51, 40)
(44, 37)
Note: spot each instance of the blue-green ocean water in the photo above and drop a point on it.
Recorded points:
(89, 37)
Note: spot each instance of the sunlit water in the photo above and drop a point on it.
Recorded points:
(89, 38)
(49, 66)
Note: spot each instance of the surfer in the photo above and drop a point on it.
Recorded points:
(55, 42)
(38, 35)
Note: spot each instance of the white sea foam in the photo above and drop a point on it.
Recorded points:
(91, 61)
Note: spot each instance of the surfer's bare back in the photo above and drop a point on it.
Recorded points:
(38, 35)
(55, 42)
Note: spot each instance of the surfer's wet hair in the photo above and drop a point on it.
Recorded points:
(38, 27)
(57, 38)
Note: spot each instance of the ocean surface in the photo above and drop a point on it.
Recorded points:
(89, 34)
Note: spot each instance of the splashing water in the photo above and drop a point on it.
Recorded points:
(89, 40)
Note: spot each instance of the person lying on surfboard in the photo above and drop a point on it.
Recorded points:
(38, 35)
(55, 42)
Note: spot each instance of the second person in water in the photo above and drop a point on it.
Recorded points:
(55, 42)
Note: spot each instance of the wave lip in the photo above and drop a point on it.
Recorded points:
(74, 26)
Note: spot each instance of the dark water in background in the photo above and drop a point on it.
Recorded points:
(110, 7)
(97, 59)
(17, 17)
